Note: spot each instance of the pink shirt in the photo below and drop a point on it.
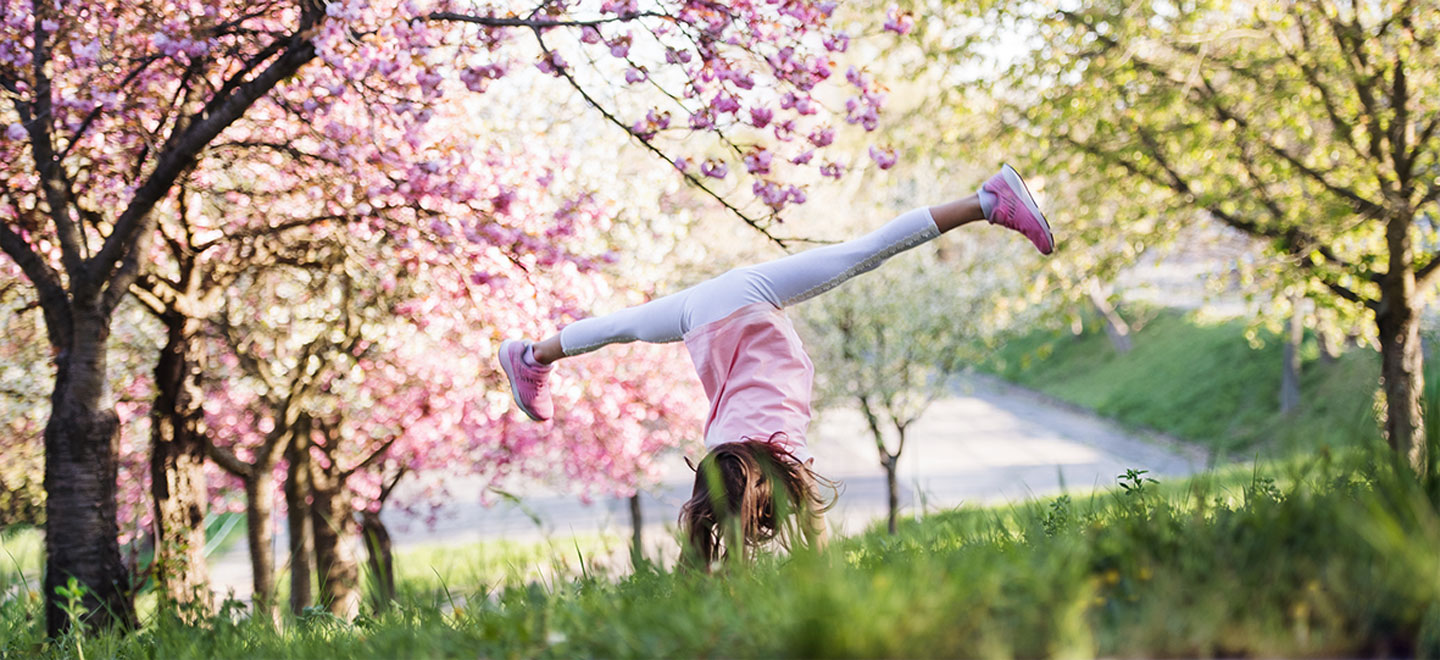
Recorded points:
(757, 377)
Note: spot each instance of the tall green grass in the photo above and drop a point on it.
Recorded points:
(1329, 556)
(1202, 382)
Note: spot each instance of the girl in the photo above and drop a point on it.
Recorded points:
(756, 482)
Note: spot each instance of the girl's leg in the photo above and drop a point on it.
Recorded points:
(781, 282)
(799, 277)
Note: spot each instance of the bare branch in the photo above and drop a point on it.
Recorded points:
(694, 180)
(1425, 275)
(95, 113)
(281, 147)
(51, 291)
(228, 461)
(370, 460)
(536, 23)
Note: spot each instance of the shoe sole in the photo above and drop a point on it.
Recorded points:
(1012, 177)
(514, 391)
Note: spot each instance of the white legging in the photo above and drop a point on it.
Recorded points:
(781, 282)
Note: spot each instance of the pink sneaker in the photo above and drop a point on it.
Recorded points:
(1015, 208)
(527, 383)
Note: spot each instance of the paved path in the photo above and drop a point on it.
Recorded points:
(990, 442)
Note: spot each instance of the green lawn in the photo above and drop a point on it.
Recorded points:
(1324, 549)
(1202, 382)
(1327, 556)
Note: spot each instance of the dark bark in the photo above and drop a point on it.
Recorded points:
(1403, 380)
(177, 462)
(259, 514)
(637, 538)
(888, 460)
(81, 459)
(1290, 374)
(1401, 359)
(302, 539)
(380, 555)
(81, 438)
(890, 463)
(334, 524)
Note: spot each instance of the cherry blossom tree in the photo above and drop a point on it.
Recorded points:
(111, 107)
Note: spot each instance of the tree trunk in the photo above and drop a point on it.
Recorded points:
(891, 462)
(259, 515)
(1403, 381)
(381, 558)
(298, 514)
(81, 459)
(1115, 326)
(1290, 375)
(637, 539)
(1401, 360)
(177, 473)
(334, 522)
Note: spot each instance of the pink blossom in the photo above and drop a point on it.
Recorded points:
(552, 63)
(682, 164)
(760, 116)
(855, 77)
(725, 103)
(832, 169)
(620, 47)
(884, 157)
(15, 132)
(796, 195)
(838, 42)
(634, 75)
(899, 22)
(714, 169)
(823, 136)
(702, 119)
(758, 161)
(771, 193)
(785, 130)
(804, 157)
(590, 35)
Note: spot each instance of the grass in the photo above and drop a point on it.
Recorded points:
(1329, 555)
(1203, 383)
(1322, 552)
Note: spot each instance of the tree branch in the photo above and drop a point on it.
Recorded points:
(694, 180)
(228, 461)
(1207, 94)
(536, 23)
(370, 460)
(1296, 242)
(50, 290)
(182, 150)
(39, 125)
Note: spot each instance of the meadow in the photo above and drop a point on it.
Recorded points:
(1329, 556)
(1323, 552)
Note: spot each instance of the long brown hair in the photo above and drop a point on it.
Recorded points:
(736, 505)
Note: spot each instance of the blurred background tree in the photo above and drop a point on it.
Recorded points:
(1309, 128)
(890, 341)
